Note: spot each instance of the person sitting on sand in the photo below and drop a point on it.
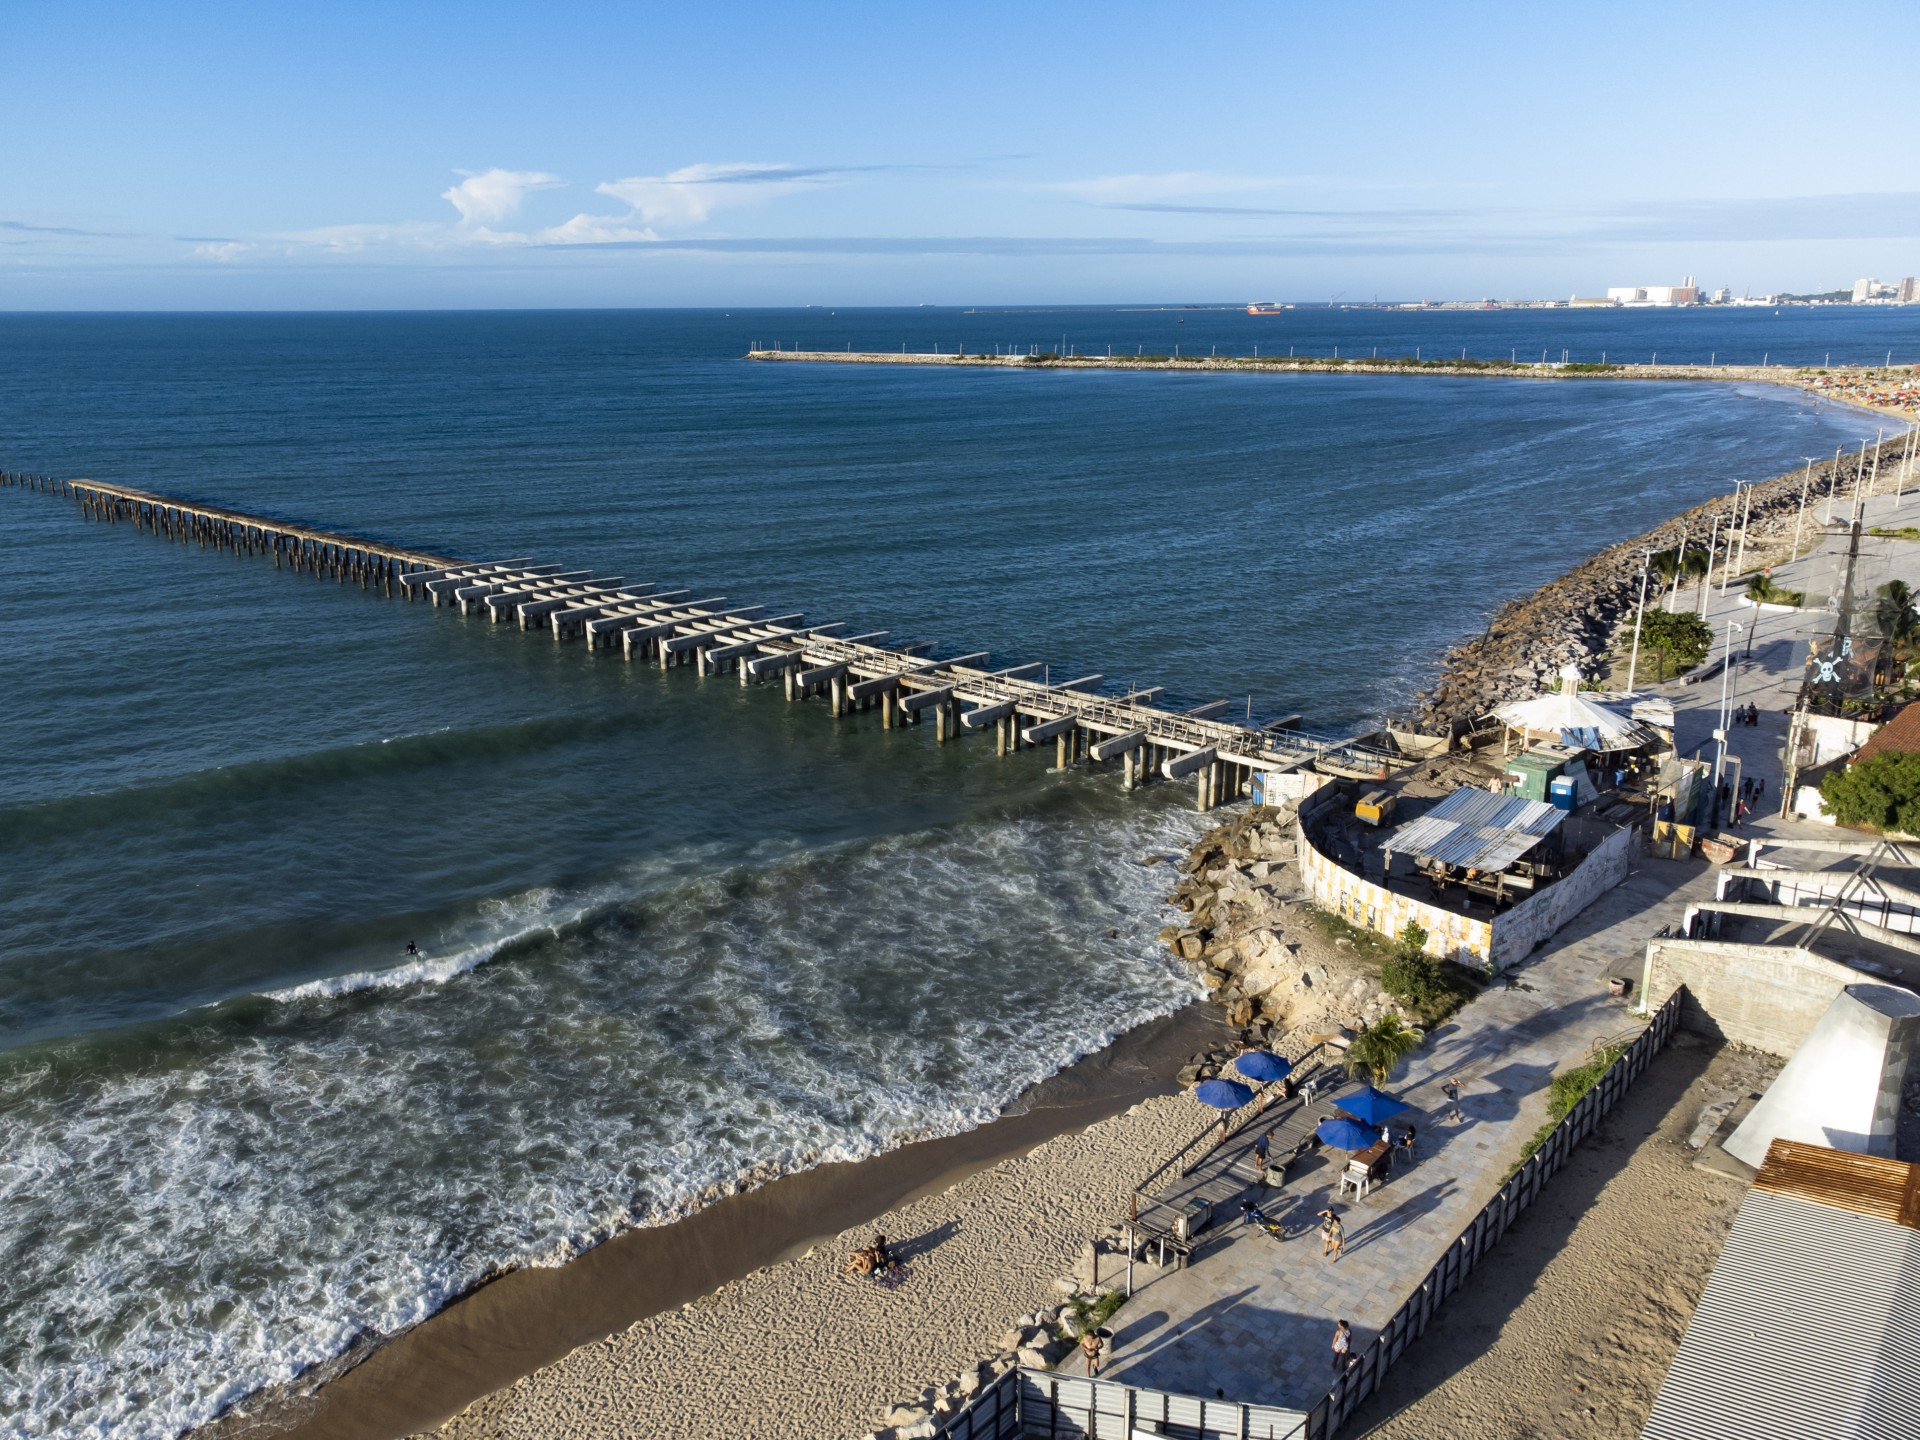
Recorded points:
(860, 1262)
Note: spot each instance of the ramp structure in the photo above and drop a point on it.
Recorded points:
(1841, 1089)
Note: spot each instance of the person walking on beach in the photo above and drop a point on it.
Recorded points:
(1333, 1235)
(1261, 1149)
(1342, 1347)
(1452, 1091)
(1090, 1346)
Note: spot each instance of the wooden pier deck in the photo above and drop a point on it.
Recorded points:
(862, 672)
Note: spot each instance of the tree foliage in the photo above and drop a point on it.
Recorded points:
(1881, 793)
(1893, 612)
(1682, 640)
(1381, 1049)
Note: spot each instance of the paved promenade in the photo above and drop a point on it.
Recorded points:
(1252, 1318)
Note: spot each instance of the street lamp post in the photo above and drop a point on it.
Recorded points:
(1706, 581)
(1639, 617)
(1746, 514)
(1800, 519)
(1734, 510)
(1720, 735)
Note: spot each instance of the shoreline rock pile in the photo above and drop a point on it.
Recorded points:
(1576, 618)
(1282, 979)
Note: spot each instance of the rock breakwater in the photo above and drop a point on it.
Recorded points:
(1577, 618)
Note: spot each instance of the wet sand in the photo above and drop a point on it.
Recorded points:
(514, 1325)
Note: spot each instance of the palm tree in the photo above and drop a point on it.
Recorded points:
(1378, 1051)
(1893, 612)
(1674, 566)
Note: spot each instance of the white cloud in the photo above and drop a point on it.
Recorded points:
(1174, 185)
(489, 196)
(687, 196)
(591, 230)
(221, 250)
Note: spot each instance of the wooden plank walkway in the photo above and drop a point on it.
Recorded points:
(1025, 707)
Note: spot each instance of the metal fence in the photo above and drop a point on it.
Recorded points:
(1032, 1404)
(1039, 1403)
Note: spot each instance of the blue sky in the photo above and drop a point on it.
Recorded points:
(206, 156)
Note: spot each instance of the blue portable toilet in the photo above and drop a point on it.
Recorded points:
(1562, 794)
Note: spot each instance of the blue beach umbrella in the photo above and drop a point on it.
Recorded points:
(1259, 1065)
(1375, 1107)
(1222, 1094)
(1344, 1134)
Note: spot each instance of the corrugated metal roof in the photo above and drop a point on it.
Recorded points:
(1477, 830)
(1809, 1326)
(1864, 1184)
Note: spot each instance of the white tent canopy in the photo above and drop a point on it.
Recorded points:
(1576, 720)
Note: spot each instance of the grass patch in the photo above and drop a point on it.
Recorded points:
(1895, 532)
(1376, 948)
(1084, 1313)
(1563, 1093)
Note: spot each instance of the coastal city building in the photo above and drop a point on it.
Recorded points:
(1686, 293)
(1909, 291)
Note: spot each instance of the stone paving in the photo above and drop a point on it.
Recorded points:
(1252, 1317)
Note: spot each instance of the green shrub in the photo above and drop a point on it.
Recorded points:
(1564, 1092)
(1683, 641)
(1882, 793)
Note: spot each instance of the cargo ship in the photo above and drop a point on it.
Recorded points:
(1272, 308)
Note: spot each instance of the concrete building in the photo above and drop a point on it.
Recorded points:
(1871, 289)
(1683, 294)
(1909, 291)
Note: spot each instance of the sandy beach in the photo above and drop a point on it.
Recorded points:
(989, 1220)
(796, 1349)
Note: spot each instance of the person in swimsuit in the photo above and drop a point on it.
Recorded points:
(1342, 1347)
(1333, 1235)
(1090, 1346)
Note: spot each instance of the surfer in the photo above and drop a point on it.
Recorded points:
(412, 949)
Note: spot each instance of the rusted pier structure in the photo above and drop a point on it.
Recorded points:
(903, 681)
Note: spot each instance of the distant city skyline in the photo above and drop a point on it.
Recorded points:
(215, 156)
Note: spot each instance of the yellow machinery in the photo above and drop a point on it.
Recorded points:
(1375, 807)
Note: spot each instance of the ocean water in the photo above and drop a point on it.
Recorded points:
(671, 929)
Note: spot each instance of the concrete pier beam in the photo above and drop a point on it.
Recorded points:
(985, 715)
(1105, 750)
(1182, 766)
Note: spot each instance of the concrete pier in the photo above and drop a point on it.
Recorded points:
(903, 681)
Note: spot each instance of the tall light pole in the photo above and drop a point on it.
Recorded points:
(1734, 509)
(1720, 735)
(1639, 618)
(1833, 483)
(1706, 581)
(1746, 514)
(1800, 519)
